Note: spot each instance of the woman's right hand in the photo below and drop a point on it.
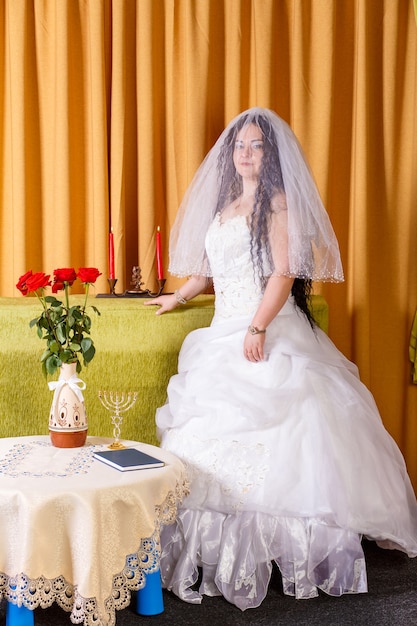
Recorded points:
(166, 303)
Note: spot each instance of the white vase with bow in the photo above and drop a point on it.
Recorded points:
(68, 422)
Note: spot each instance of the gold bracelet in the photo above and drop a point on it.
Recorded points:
(179, 298)
(254, 330)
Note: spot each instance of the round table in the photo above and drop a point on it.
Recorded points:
(78, 532)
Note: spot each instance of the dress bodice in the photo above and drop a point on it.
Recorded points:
(237, 286)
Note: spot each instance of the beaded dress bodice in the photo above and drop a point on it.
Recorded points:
(237, 286)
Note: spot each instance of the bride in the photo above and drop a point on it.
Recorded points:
(287, 455)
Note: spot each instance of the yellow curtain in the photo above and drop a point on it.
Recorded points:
(107, 107)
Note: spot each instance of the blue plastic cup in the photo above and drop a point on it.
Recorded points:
(19, 615)
(149, 600)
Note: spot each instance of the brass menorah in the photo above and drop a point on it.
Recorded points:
(117, 402)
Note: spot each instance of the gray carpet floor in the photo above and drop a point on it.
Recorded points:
(390, 601)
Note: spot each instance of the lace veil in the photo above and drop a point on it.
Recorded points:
(312, 248)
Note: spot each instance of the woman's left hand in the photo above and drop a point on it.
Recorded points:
(253, 347)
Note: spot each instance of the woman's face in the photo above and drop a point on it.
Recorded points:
(248, 151)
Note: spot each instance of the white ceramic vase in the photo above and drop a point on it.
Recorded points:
(68, 422)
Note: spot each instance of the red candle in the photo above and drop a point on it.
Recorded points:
(159, 269)
(111, 254)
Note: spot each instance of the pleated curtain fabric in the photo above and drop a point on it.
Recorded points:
(107, 107)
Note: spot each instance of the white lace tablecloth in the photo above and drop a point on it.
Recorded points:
(78, 532)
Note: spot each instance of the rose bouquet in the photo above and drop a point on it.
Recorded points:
(65, 328)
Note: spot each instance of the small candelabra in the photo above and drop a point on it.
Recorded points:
(137, 291)
(117, 402)
(137, 283)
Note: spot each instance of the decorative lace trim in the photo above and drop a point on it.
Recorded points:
(43, 591)
(166, 513)
(17, 463)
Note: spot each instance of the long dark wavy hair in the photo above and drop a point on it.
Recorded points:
(270, 183)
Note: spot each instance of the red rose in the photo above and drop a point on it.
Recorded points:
(57, 287)
(65, 275)
(88, 274)
(21, 283)
(36, 281)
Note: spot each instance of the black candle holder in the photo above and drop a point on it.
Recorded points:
(137, 291)
(112, 285)
(146, 293)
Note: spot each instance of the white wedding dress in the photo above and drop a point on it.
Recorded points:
(288, 458)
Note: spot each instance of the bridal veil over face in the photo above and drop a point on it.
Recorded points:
(313, 251)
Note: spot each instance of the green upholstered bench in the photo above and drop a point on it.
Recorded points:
(136, 351)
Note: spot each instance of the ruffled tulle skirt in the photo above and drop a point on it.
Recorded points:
(288, 461)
